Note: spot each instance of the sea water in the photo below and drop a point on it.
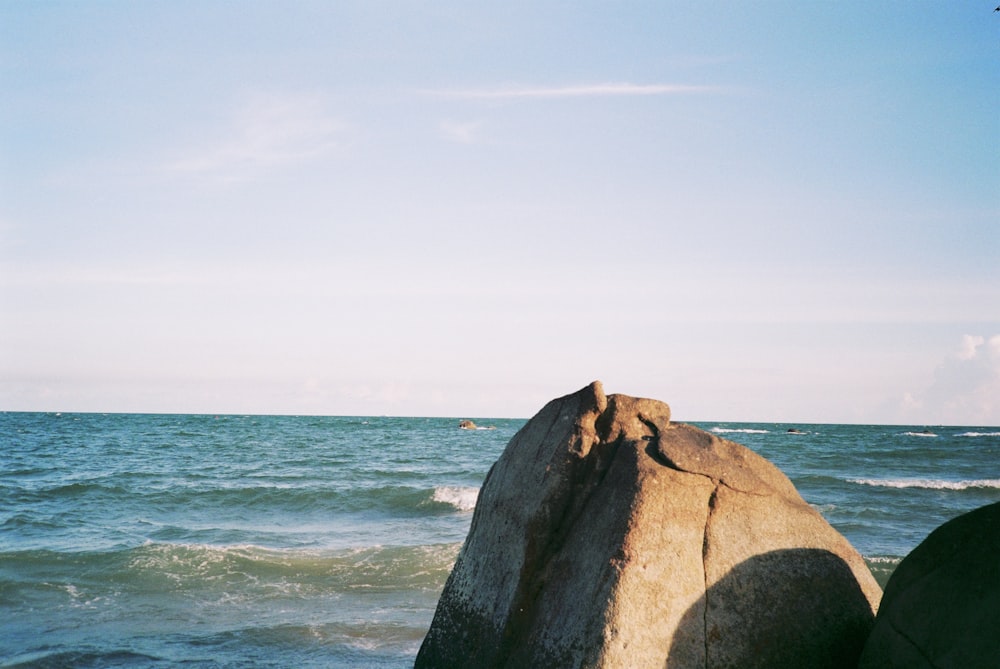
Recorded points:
(267, 541)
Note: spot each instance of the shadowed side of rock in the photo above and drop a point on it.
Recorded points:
(526, 502)
(942, 603)
(604, 533)
(784, 609)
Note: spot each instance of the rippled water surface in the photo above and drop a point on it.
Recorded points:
(265, 541)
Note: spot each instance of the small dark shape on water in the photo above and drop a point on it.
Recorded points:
(469, 425)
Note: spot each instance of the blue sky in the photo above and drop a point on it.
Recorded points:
(774, 211)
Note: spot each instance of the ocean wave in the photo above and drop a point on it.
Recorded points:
(311, 499)
(63, 504)
(742, 430)
(919, 434)
(882, 567)
(883, 559)
(80, 488)
(264, 573)
(244, 571)
(362, 634)
(978, 434)
(81, 658)
(931, 484)
(462, 498)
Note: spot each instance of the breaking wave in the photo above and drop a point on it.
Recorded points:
(930, 484)
(461, 497)
(743, 430)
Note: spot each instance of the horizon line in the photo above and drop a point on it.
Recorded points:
(283, 414)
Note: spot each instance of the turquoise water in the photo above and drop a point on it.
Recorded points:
(265, 541)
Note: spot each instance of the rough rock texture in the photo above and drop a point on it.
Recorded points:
(605, 536)
(941, 606)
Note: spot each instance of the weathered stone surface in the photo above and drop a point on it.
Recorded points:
(606, 536)
(941, 607)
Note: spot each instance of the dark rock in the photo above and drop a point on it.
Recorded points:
(942, 604)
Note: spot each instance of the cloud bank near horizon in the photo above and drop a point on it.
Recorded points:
(966, 384)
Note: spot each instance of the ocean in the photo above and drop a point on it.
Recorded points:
(277, 541)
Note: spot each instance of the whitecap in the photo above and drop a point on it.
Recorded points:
(462, 498)
(979, 434)
(931, 484)
(744, 430)
(883, 559)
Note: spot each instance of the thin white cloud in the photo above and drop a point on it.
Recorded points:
(268, 132)
(575, 91)
(463, 132)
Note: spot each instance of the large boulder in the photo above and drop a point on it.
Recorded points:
(941, 607)
(607, 536)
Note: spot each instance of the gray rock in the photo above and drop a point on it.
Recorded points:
(606, 536)
(941, 607)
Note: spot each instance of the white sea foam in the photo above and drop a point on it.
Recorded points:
(744, 430)
(883, 559)
(461, 497)
(919, 434)
(979, 434)
(932, 484)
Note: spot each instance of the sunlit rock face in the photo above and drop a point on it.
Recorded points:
(607, 536)
(942, 604)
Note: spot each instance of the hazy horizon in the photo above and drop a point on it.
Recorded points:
(458, 417)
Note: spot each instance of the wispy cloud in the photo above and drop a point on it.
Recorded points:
(463, 132)
(575, 91)
(268, 132)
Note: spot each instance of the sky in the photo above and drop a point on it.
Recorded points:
(764, 211)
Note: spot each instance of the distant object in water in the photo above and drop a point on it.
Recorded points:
(469, 425)
(795, 430)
